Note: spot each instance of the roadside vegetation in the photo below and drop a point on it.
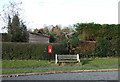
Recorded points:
(46, 63)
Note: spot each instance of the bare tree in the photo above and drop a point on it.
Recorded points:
(9, 10)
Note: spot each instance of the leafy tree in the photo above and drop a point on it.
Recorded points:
(24, 32)
(17, 30)
(36, 30)
(52, 38)
(56, 33)
(91, 31)
(87, 31)
(9, 35)
(9, 25)
(46, 30)
(41, 31)
(106, 36)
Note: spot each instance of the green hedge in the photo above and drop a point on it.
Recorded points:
(103, 48)
(27, 51)
(107, 48)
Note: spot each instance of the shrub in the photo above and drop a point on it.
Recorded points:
(106, 47)
(101, 48)
(86, 48)
(116, 46)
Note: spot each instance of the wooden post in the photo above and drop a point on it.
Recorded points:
(56, 59)
(49, 57)
(78, 58)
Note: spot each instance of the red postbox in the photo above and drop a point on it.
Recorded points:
(49, 49)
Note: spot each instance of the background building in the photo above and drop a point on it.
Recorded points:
(38, 38)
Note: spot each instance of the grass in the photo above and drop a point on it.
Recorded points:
(26, 63)
(48, 70)
(100, 61)
(44, 63)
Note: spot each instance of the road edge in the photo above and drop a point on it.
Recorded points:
(57, 72)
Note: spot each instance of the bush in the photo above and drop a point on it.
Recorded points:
(106, 48)
(116, 46)
(27, 51)
(86, 48)
(101, 48)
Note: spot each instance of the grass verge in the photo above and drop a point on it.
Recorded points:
(48, 70)
(44, 63)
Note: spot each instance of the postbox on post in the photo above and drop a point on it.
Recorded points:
(49, 49)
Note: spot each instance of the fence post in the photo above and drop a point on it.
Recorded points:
(56, 59)
(78, 58)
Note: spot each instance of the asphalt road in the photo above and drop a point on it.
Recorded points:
(113, 75)
(58, 67)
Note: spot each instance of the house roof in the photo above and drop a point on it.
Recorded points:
(39, 34)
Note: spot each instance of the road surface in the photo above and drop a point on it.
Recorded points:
(113, 75)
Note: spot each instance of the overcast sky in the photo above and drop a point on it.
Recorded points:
(36, 13)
